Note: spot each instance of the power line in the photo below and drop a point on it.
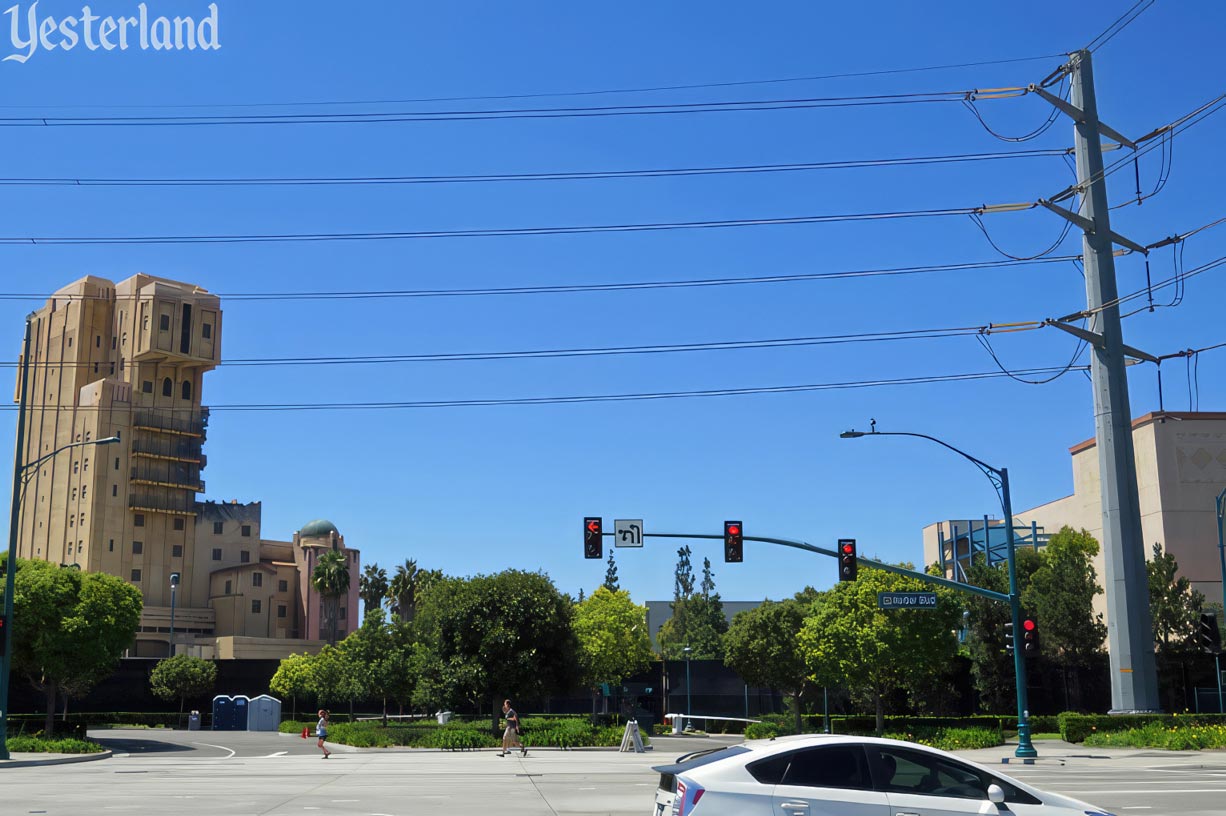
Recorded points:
(848, 164)
(574, 288)
(376, 117)
(546, 94)
(577, 399)
(1123, 21)
(494, 232)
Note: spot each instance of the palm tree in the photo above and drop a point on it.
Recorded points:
(331, 581)
(372, 587)
(403, 590)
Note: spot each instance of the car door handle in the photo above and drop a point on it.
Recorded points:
(799, 807)
(901, 813)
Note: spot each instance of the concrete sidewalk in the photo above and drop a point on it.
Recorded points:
(17, 760)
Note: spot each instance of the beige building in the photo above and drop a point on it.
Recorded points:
(1181, 469)
(128, 360)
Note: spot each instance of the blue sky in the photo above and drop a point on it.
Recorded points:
(478, 489)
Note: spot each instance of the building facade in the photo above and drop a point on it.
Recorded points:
(1181, 470)
(128, 360)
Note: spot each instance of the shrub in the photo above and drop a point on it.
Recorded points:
(1079, 727)
(761, 730)
(37, 744)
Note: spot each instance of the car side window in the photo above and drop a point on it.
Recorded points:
(769, 771)
(905, 771)
(832, 766)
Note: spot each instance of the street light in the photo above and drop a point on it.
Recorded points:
(10, 572)
(688, 709)
(174, 585)
(999, 477)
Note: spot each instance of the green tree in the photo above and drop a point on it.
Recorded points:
(331, 580)
(610, 574)
(848, 641)
(71, 627)
(293, 679)
(698, 618)
(372, 588)
(762, 645)
(379, 654)
(182, 676)
(991, 665)
(495, 636)
(407, 587)
(1176, 609)
(1061, 596)
(612, 634)
(334, 676)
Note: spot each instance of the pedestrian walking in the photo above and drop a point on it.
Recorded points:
(321, 731)
(510, 736)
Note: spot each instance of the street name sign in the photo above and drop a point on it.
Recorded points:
(906, 600)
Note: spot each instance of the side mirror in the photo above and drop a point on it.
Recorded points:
(996, 794)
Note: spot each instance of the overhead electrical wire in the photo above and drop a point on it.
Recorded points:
(376, 117)
(576, 288)
(848, 164)
(576, 399)
(546, 94)
(1123, 21)
(495, 232)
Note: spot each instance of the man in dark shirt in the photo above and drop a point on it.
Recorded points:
(510, 736)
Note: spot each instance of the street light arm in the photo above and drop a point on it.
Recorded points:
(110, 440)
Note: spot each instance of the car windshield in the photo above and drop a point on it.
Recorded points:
(699, 759)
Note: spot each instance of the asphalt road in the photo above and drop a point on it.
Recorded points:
(236, 774)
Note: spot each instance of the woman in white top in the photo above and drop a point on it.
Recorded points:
(321, 731)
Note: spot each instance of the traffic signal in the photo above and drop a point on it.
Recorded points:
(1030, 637)
(1208, 636)
(593, 543)
(1009, 637)
(4, 632)
(847, 559)
(734, 542)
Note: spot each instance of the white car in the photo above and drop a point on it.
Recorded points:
(833, 775)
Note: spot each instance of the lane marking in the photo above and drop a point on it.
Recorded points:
(219, 747)
(277, 754)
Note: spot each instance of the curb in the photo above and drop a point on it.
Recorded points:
(70, 759)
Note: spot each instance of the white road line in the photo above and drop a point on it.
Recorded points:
(277, 754)
(221, 747)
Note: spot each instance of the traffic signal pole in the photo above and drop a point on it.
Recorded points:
(1025, 748)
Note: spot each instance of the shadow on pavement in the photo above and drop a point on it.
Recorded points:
(129, 745)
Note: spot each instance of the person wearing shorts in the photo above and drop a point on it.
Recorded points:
(321, 731)
(510, 736)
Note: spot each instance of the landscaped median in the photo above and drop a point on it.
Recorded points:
(37, 744)
(465, 735)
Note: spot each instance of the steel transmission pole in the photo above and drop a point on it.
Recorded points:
(1130, 642)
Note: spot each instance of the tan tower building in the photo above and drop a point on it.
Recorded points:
(128, 360)
(122, 360)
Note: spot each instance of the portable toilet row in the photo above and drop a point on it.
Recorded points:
(243, 713)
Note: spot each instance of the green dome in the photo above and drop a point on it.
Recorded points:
(319, 528)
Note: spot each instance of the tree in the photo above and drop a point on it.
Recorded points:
(182, 676)
(71, 627)
(1176, 609)
(848, 641)
(372, 588)
(407, 586)
(698, 619)
(612, 634)
(293, 679)
(991, 664)
(1061, 596)
(379, 654)
(610, 574)
(762, 645)
(334, 676)
(331, 581)
(495, 636)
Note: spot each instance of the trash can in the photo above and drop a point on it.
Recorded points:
(444, 717)
(193, 721)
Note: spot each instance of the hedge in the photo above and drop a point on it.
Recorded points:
(457, 735)
(1076, 727)
(37, 744)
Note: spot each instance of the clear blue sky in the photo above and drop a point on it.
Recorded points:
(479, 489)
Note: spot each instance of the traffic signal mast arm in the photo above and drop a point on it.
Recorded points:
(864, 562)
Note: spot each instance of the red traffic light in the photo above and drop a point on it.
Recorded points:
(593, 525)
(847, 548)
(1028, 625)
(734, 529)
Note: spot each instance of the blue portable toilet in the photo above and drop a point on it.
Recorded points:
(264, 713)
(223, 713)
(230, 713)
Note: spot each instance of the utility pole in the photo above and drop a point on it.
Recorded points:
(1130, 642)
